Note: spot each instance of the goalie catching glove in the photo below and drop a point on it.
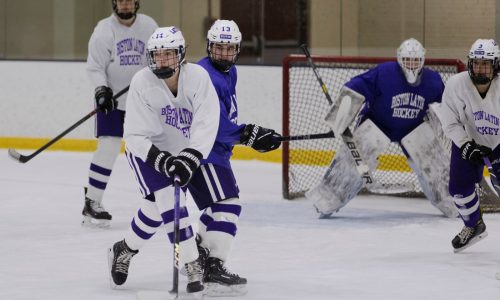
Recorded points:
(183, 165)
(104, 99)
(474, 152)
(260, 138)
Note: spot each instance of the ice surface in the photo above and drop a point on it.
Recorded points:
(375, 248)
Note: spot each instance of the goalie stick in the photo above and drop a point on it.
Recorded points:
(493, 177)
(346, 136)
(25, 158)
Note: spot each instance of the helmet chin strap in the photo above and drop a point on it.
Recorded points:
(165, 73)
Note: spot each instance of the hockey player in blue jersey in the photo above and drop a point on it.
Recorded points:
(219, 195)
(395, 98)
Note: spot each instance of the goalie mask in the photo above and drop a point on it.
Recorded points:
(411, 58)
(223, 44)
(125, 15)
(166, 50)
(483, 61)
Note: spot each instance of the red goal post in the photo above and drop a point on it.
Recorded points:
(304, 109)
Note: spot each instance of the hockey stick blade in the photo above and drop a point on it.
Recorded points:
(25, 158)
(17, 156)
(493, 176)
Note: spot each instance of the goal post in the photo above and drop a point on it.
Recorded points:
(304, 110)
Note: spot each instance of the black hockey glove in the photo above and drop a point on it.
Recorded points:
(184, 165)
(104, 99)
(474, 152)
(260, 138)
(159, 160)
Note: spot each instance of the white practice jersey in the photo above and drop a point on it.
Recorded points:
(117, 52)
(466, 116)
(172, 123)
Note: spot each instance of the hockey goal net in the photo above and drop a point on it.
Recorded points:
(304, 109)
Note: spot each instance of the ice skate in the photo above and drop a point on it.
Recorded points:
(203, 255)
(220, 282)
(469, 236)
(94, 215)
(119, 257)
(195, 277)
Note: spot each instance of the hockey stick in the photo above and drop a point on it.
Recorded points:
(493, 177)
(313, 66)
(25, 158)
(347, 136)
(177, 200)
(325, 135)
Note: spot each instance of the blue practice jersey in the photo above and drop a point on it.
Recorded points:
(229, 131)
(391, 103)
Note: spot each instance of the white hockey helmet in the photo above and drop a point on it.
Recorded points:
(224, 32)
(411, 58)
(125, 16)
(166, 38)
(483, 49)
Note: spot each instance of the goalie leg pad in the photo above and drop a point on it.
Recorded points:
(340, 184)
(371, 142)
(431, 163)
(342, 181)
(344, 110)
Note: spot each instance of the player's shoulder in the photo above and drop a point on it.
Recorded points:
(195, 71)
(388, 66)
(430, 72)
(146, 20)
(458, 79)
(104, 24)
(143, 78)
(104, 28)
(205, 63)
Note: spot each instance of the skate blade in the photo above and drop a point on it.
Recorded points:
(472, 242)
(110, 255)
(95, 223)
(164, 295)
(220, 290)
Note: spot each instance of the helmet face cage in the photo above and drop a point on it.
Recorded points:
(163, 41)
(483, 50)
(223, 56)
(411, 59)
(125, 16)
(172, 67)
(224, 44)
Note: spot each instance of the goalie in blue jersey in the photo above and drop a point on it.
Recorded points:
(394, 98)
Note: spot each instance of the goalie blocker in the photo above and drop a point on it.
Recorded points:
(342, 182)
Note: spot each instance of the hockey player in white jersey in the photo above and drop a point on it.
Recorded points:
(117, 50)
(395, 98)
(171, 124)
(471, 119)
